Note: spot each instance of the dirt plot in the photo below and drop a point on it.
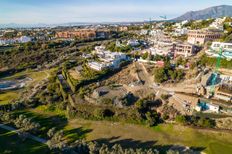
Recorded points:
(177, 101)
(125, 76)
(224, 123)
(74, 74)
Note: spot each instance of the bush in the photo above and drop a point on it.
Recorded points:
(204, 122)
(160, 75)
(164, 97)
(152, 118)
(103, 113)
(181, 119)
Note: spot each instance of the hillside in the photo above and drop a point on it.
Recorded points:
(211, 12)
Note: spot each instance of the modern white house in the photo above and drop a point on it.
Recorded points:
(203, 106)
(218, 24)
(180, 31)
(99, 48)
(156, 32)
(180, 24)
(108, 60)
(133, 43)
(22, 39)
(144, 32)
(215, 48)
(99, 66)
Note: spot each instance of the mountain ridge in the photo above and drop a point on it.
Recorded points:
(210, 12)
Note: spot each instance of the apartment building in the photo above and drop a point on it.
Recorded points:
(202, 36)
(185, 49)
(102, 34)
(80, 33)
(123, 28)
(224, 92)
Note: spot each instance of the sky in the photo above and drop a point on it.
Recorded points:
(65, 11)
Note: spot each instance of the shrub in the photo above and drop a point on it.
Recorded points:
(181, 119)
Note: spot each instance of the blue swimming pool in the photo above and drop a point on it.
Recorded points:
(227, 54)
(7, 84)
(204, 106)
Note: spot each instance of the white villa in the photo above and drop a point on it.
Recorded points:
(218, 24)
(180, 31)
(107, 59)
(133, 43)
(22, 39)
(215, 47)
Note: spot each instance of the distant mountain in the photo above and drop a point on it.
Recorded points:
(212, 12)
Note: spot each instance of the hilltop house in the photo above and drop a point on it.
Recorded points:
(215, 47)
(22, 39)
(107, 59)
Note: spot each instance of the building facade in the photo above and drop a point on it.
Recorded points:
(202, 36)
(81, 34)
(185, 49)
(224, 92)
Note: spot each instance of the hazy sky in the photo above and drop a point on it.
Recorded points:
(62, 11)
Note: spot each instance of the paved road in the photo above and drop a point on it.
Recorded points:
(35, 138)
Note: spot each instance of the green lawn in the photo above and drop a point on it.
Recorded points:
(11, 143)
(59, 121)
(213, 142)
(161, 137)
(8, 96)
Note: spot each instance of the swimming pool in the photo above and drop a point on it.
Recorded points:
(227, 54)
(203, 105)
(4, 85)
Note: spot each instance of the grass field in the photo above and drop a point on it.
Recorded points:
(59, 121)
(8, 96)
(161, 137)
(11, 143)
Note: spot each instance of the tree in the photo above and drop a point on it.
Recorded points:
(26, 124)
(160, 75)
(180, 74)
(172, 74)
(51, 132)
(181, 119)
(145, 55)
(57, 142)
(141, 104)
(204, 122)
(152, 118)
(165, 96)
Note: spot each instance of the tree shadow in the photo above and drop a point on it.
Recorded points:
(126, 143)
(57, 121)
(77, 133)
(131, 143)
(46, 121)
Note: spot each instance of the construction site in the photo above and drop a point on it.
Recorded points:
(206, 92)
